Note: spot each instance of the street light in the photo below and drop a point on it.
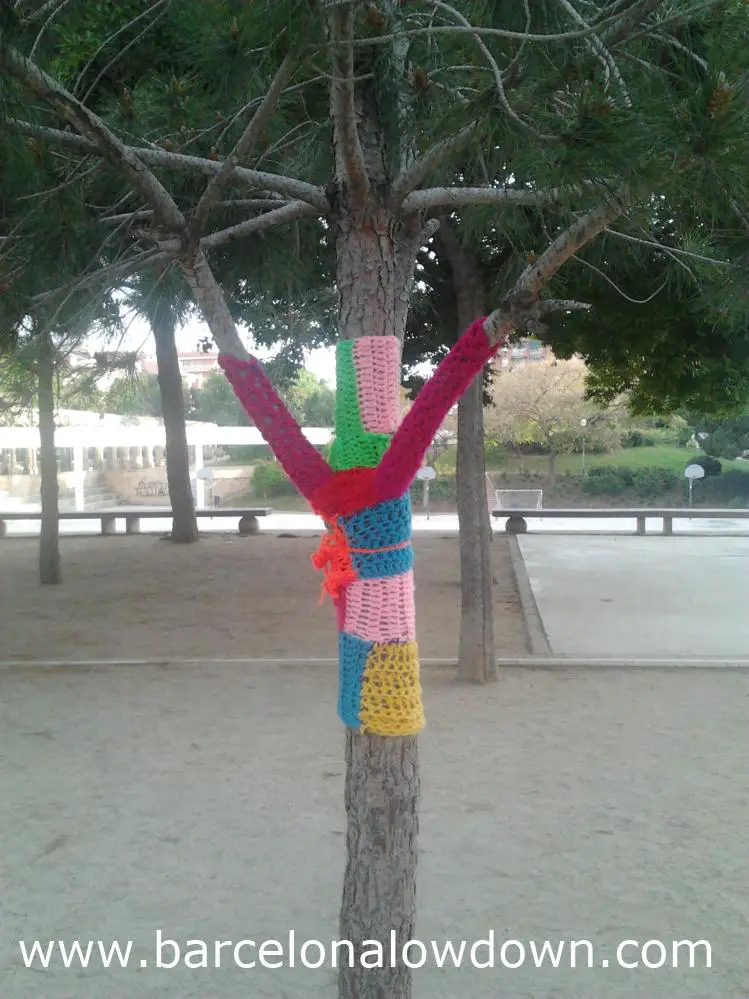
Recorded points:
(583, 424)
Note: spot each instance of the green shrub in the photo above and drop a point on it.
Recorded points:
(711, 465)
(610, 480)
(731, 489)
(269, 479)
(605, 482)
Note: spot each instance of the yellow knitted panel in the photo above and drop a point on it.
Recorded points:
(391, 692)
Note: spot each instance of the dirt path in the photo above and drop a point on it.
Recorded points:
(142, 598)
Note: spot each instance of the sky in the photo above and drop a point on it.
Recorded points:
(320, 362)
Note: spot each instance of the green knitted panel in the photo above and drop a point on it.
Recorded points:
(353, 446)
(348, 421)
(365, 451)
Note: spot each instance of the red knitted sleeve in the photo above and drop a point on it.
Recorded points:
(410, 442)
(304, 465)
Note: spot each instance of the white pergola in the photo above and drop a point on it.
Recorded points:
(105, 435)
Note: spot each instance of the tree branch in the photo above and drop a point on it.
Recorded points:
(498, 78)
(351, 166)
(153, 156)
(279, 216)
(210, 299)
(522, 305)
(410, 178)
(245, 142)
(456, 197)
(667, 249)
(93, 128)
(596, 46)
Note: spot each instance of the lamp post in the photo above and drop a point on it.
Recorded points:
(583, 424)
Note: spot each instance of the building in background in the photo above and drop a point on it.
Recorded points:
(195, 367)
(519, 354)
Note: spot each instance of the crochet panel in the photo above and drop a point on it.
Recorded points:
(304, 465)
(411, 441)
(353, 446)
(366, 555)
(377, 361)
(381, 610)
(391, 691)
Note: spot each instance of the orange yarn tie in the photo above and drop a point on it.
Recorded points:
(334, 558)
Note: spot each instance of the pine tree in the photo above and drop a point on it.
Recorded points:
(357, 122)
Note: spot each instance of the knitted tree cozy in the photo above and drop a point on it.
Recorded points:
(367, 556)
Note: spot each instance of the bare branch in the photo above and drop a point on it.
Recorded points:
(287, 186)
(615, 286)
(522, 305)
(668, 249)
(412, 176)
(564, 305)
(106, 275)
(351, 166)
(599, 49)
(456, 197)
(150, 11)
(520, 36)
(56, 7)
(71, 110)
(294, 210)
(242, 148)
(498, 79)
(670, 40)
(211, 301)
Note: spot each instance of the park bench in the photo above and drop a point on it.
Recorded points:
(517, 521)
(132, 515)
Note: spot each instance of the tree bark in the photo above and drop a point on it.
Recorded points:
(379, 885)
(476, 659)
(184, 522)
(49, 540)
(382, 774)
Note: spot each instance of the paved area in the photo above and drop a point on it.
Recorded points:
(207, 801)
(647, 597)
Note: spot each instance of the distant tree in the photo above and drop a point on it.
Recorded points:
(724, 438)
(310, 400)
(544, 404)
(134, 396)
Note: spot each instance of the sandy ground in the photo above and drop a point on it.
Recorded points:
(142, 598)
(205, 801)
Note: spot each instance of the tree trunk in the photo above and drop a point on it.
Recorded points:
(49, 540)
(476, 660)
(382, 773)
(552, 464)
(184, 522)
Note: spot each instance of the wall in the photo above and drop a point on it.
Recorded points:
(148, 486)
(138, 486)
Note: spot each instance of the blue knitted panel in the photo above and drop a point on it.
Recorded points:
(352, 657)
(379, 526)
(383, 564)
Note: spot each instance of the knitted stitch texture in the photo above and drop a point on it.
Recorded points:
(367, 556)
(353, 447)
(382, 610)
(304, 465)
(377, 361)
(454, 374)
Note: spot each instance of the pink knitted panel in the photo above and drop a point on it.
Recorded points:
(377, 361)
(304, 465)
(455, 373)
(382, 610)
